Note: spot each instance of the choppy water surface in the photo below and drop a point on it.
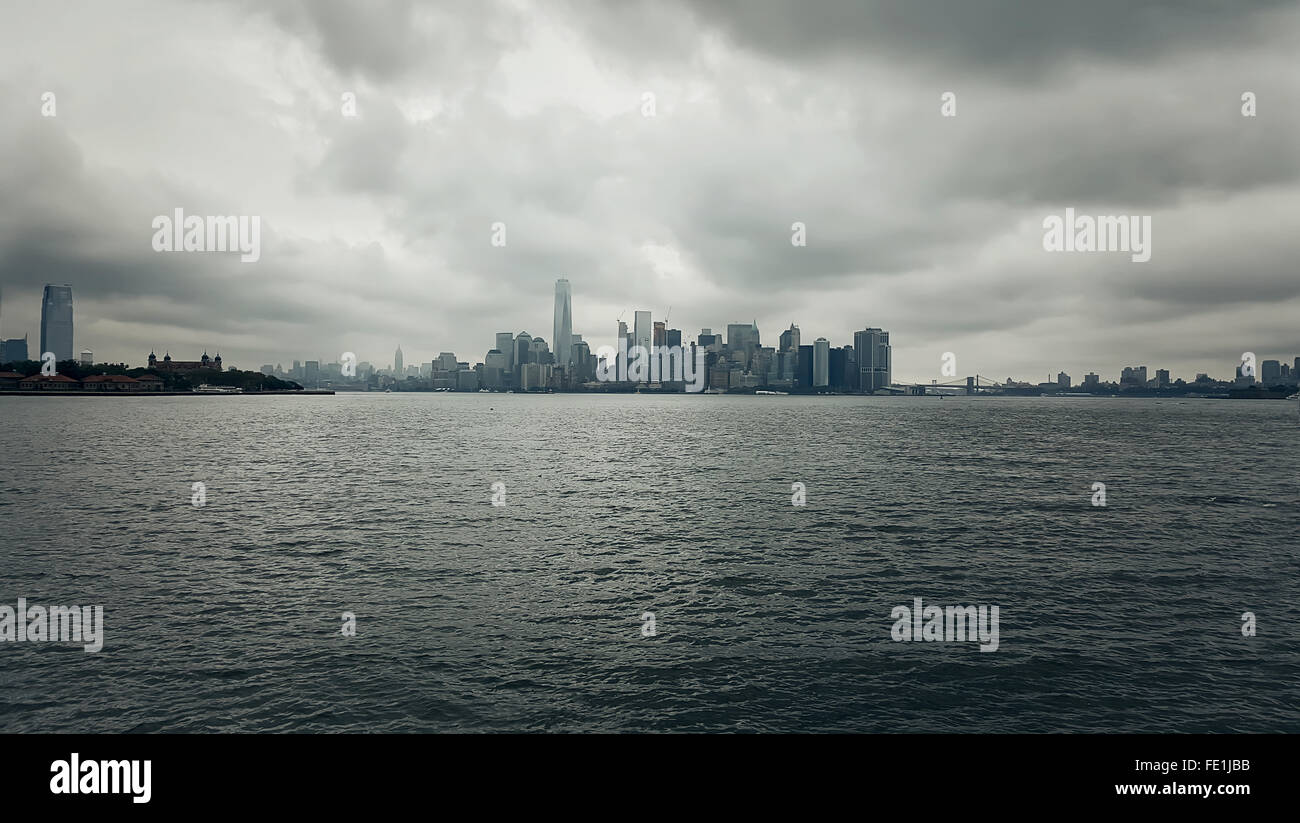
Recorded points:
(769, 617)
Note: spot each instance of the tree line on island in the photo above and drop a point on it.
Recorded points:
(249, 381)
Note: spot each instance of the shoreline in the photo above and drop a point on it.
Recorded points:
(7, 393)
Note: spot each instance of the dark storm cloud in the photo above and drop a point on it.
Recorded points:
(1016, 39)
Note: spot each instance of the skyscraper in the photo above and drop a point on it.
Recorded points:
(563, 333)
(743, 337)
(397, 363)
(803, 375)
(643, 330)
(790, 339)
(821, 376)
(873, 354)
(505, 345)
(56, 322)
(1270, 372)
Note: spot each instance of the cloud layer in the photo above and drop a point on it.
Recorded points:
(376, 228)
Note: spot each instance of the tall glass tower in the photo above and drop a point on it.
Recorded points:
(873, 351)
(563, 338)
(56, 322)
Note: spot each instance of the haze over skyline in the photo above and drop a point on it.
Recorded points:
(376, 229)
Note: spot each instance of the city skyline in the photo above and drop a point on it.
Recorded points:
(57, 303)
(926, 224)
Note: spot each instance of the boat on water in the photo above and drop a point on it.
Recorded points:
(209, 389)
(764, 391)
(1294, 397)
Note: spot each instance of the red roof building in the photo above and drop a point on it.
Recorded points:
(42, 382)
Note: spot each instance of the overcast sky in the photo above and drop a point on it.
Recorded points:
(376, 230)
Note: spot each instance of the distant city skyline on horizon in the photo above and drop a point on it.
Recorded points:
(562, 318)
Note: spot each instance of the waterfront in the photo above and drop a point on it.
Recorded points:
(769, 616)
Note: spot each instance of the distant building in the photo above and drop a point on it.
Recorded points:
(41, 382)
(1063, 380)
(535, 376)
(804, 368)
(467, 380)
(1091, 381)
(446, 362)
(56, 322)
(14, 350)
(1133, 376)
(86, 358)
(642, 330)
(1270, 372)
(743, 337)
(167, 364)
(789, 339)
(584, 363)
(1162, 378)
(821, 371)
(398, 363)
(562, 333)
(115, 383)
(505, 345)
(873, 355)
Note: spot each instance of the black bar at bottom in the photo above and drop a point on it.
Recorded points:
(338, 772)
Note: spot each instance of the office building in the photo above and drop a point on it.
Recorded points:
(1270, 372)
(505, 345)
(821, 370)
(789, 340)
(562, 334)
(56, 322)
(871, 346)
(804, 368)
(14, 350)
(642, 330)
(743, 337)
